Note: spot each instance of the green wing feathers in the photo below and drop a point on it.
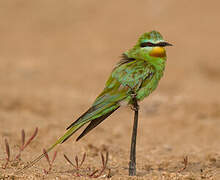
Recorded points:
(95, 113)
(125, 76)
(95, 122)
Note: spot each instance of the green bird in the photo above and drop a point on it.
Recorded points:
(138, 73)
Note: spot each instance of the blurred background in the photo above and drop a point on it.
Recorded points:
(55, 57)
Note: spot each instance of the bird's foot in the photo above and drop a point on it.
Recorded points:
(133, 95)
(132, 92)
(134, 104)
(134, 108)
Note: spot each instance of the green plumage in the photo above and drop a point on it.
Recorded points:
(139, 71)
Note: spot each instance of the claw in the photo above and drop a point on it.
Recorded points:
(133, 94)
(134, 108)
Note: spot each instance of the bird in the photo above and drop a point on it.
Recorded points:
(137, 75)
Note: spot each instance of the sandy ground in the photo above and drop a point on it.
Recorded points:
(55, 57)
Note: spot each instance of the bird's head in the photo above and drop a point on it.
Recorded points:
(150, 46)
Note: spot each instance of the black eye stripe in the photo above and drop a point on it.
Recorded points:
(149, 44)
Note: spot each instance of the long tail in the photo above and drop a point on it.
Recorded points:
(59, 141)
(74, 127)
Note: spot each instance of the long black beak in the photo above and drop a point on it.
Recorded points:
(168, 44)
(163, 44)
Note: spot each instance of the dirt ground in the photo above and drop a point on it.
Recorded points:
(55, 57)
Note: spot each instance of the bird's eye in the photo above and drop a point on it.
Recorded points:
(147, 44)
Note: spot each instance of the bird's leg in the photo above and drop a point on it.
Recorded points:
(132, 162)
(134, 106)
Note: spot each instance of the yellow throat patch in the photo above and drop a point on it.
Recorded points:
(158, 52)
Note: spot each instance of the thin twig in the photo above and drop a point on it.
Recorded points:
(83, 159)
(96, 173)
(104, 165)
(69, 161)
(54, 157)
(48, 160)
(77, 166)
(22, 137)
(30, 139)
(24, 145)
(77, 162)
(46, 156)
(93, 173)
(185, 163)
(7, 149)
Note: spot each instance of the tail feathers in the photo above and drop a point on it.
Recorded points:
(70, 132)
(38, 158)
(59, 141)
(78, 124)
(76, 121)
(95, 122)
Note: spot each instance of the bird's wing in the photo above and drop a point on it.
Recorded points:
(127, 76)
(124, 78)
(105, 104)
(94, 123)
(133, 73)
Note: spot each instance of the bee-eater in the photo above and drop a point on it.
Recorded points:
(138, 72)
